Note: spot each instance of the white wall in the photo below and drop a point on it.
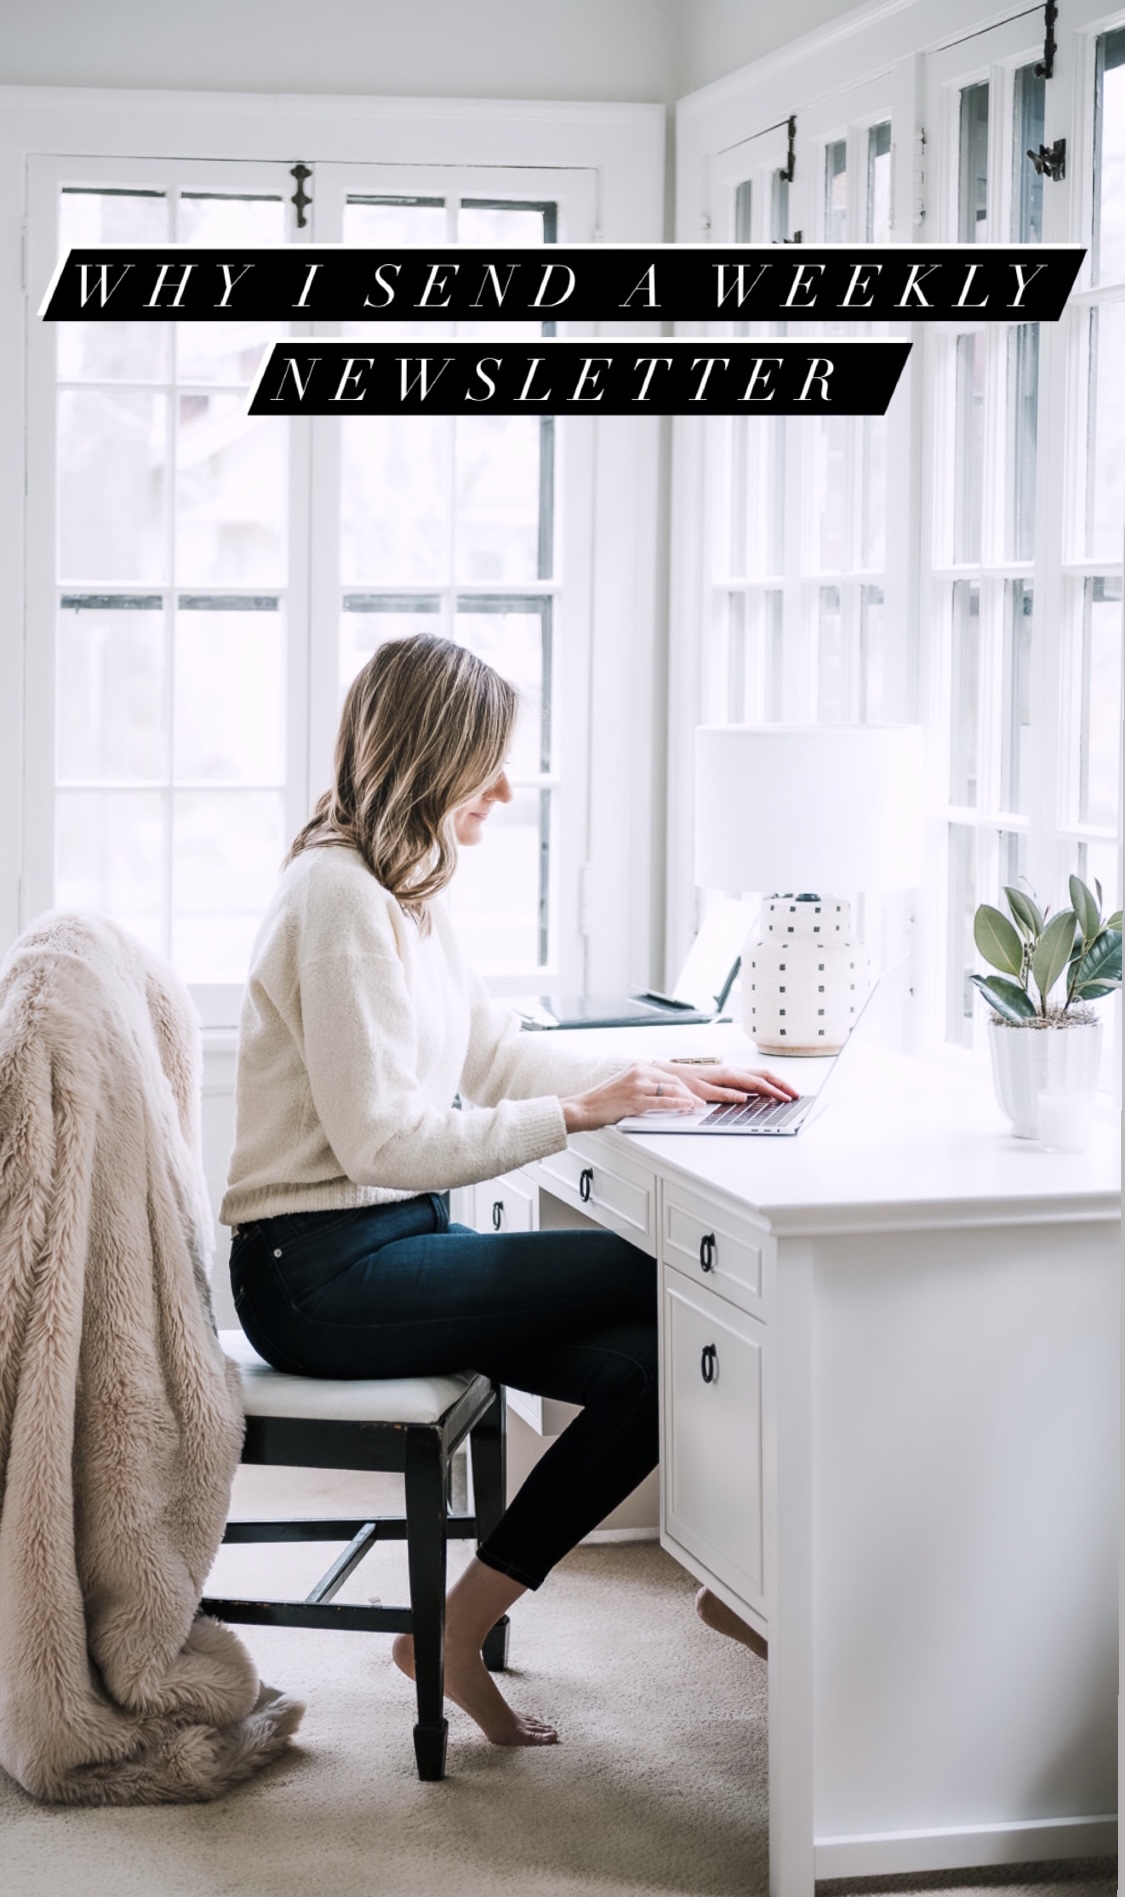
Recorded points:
(502, 49)
(718, 36)
(499, 49)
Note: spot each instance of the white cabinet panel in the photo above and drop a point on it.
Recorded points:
(508, 1204)
(711, 1447)
(511, 1204)
(616, 1191)
(714, 1244)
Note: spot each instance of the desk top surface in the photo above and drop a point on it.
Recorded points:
(900, 1142)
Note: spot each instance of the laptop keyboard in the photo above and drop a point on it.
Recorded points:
(757, 1112)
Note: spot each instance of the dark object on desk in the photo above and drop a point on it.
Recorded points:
(620, 1011)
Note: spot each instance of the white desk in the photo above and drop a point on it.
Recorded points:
(903, 1465)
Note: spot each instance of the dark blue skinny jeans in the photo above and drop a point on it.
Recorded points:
(397, 1291)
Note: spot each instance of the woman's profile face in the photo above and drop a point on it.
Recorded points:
(470, 818)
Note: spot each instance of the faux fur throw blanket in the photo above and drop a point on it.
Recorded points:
(120, 1418)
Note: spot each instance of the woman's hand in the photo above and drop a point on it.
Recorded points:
(645, 1086)
(665, 1087)
(732, 1084)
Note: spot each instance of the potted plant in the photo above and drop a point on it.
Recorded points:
(1044, 1035)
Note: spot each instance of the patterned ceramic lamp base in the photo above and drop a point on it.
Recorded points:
(804, 976)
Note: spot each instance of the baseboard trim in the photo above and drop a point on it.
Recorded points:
(601, 1535)
(888, 1853)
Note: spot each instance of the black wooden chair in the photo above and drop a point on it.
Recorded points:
(412, 1425)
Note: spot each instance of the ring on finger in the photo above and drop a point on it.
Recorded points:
(659, 1089)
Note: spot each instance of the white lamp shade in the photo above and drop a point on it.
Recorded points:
(819, 808)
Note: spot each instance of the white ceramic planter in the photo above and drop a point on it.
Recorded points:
(1046, 1079)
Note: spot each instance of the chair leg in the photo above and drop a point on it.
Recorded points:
(425, 1542)
(488, 1448)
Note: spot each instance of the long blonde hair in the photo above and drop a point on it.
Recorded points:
(425, 725)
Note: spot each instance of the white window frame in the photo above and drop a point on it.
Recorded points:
(614, 619)
(804, 78)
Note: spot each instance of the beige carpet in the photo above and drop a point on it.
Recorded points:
(657, 1790)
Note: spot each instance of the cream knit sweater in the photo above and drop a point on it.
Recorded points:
(357, 1031)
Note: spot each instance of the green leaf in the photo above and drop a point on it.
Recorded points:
(997, 940)
(1085, 908)
(1097, 989)
(1114, 922)
(1100, 967)
(1052, 951)
(1026, 911)
(1010, 1001)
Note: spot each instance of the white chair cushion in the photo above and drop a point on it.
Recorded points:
(268, 1392)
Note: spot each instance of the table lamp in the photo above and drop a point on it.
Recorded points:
(800, 812)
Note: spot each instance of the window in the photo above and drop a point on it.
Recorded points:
(218, 580)
(1001, 459)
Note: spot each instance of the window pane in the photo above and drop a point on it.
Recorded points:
(112, 471)
(836, 191)
(110, 696)
(230, 494)
(743, 227)
(109, 856)
(960, 948)
(225, 218)
(757, 495)
(1108, 260)
(134, 352)
(873, 688)
(483, 223)
(972, 213)
(879, 183)
(775, 657)
(223, 352)
(1099, 735)
(964, 692)
(1028, 100)
(734, 707)
(831, 672)
(779, 209)
(227, 847)
(394, 499)
(229, 705)
(831, 464)
(514, 637)
(969, 457)
(1105, 441)
(369, 620)
(497, 499)
(1015, 761)
(1023, 411)
(873, 522)
(384, 223)
(495, 893)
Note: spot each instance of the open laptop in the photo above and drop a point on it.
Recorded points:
(757, 1116)
(700, 993)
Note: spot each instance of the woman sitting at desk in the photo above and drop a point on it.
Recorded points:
(360, 1025)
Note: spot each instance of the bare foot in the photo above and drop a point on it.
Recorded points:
(470, 1685)
(715, 1613)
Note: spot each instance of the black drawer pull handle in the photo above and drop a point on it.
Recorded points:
(707, 1252)
(497, 1214)
(708, 1363)
(586, 1184)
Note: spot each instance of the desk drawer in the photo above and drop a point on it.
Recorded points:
(714, 1244)
(507, 1204)
(611, 1187)
(712, 1474)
